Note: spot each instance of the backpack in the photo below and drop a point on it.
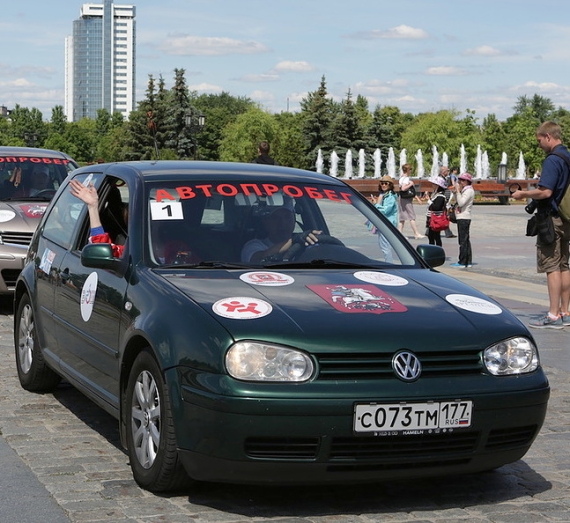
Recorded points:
(564, 203)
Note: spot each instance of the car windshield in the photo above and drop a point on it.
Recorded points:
(268, 224)
(32, 177)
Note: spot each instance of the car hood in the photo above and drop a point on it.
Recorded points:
(338, 309)
(21, 214)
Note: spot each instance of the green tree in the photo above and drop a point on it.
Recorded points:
(446, 131)
(58, 120)
(290, 148)
(240, 138)
(494, 140)
(219, 110)
(317, 110)
(542, 108)
(520, 130)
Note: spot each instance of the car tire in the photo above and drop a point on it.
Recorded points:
(150, 429)
(33, 372)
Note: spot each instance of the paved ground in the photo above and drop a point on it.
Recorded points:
(65, 452)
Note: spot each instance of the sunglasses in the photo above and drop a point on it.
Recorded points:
(384, 183)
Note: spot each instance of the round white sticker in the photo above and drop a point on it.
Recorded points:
(88, 296)
(267, 278)
(473, 304)
(381, 278)
(241, 308)
(6, 216)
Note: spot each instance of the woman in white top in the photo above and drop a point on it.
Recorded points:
(464, 196)
(405, 203)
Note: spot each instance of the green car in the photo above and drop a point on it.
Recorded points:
(267, 325)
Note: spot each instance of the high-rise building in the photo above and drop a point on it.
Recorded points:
(100, 61)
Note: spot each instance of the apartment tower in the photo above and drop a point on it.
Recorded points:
(100, 61)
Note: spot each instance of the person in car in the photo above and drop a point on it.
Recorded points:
(278, 223)
(88, 195)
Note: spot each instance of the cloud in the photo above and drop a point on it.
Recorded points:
(205, 88)
(404, 32)
(187, 45)
(262, 96)
(255, 78)
(18, 82)
(379, 87)
(444, 70)
(294, 67)
(482, 50)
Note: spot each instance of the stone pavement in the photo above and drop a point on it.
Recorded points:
(72, 446)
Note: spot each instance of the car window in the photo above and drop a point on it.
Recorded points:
(62, 223)
(26, 177)
(200, 222)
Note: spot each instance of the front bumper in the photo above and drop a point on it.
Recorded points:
(310, 440)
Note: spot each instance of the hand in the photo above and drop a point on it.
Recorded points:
(519, 195)
(307, 237)
(16, 177)
(85, 194)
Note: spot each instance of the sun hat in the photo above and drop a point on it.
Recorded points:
(439, 181)
(465, 176)
(387, 178)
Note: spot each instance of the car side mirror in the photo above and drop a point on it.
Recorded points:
(434, 255)
(100, 256)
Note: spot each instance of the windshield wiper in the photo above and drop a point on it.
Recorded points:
(314, 264)
(206, 265)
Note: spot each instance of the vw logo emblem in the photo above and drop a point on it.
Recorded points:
(406, 366)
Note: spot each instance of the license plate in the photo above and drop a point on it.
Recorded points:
(400, 417)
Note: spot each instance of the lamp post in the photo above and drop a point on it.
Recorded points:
(30, 138)
(194, 122)
(502, 173)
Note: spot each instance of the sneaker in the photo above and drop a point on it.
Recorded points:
(458, 265)
(469, 265)
(547, 323)
(420, 237)
(566, 320)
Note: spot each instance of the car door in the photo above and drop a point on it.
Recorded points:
(53, 241)
(90, 309)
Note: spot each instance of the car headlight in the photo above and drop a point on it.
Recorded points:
(255, 361)
(512, 356)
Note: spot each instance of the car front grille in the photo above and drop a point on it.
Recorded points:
(16, 238)
(10, 276)
(378, 366)
(389, 452)
(511, 438)
(282, 448)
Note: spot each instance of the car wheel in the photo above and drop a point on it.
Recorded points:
(33, 373)
(150, 429)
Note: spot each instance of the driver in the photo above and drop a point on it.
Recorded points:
(39, 180)
(278, 223)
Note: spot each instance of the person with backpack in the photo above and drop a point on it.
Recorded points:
(552, 256)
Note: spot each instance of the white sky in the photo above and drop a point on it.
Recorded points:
(420, 55)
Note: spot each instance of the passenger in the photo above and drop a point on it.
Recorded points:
(88, 195)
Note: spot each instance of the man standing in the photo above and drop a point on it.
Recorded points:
(552, 259)
(263, 154)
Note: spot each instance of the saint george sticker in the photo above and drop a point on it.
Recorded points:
(358, 298)
(242, 308)
(88, 296)
(380, 278)
(267, 278)
(473, 304)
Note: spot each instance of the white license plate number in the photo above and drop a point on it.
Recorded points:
(399, 417)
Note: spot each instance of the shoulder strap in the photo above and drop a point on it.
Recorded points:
(566, 158)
